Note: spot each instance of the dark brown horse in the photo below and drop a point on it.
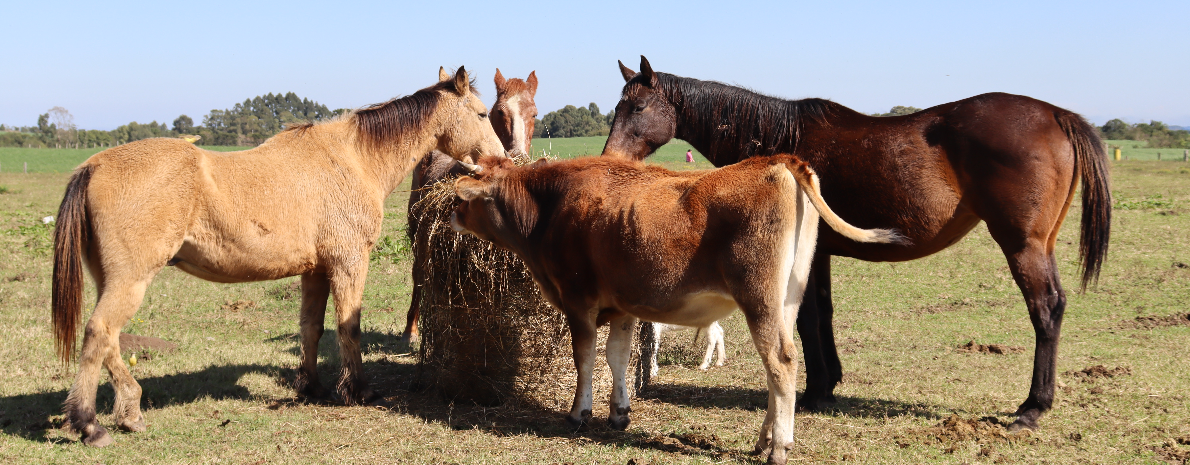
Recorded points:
(1011, 161)
(512, 116)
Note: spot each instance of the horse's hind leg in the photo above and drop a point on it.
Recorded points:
(101, 345)
(315, 289)
(348, 288)
(1036, 272)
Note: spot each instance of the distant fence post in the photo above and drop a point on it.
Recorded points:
(1186, 155)
(1158, 156)
(1117, 154)
(26, 167)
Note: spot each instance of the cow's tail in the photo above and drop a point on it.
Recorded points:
(72, 233)
(809, 183)
(1091, 160)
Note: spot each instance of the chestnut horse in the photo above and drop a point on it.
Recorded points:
(1011, 161)
(308, 201)
(513, 117)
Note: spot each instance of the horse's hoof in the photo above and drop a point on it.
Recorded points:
(361, 397)
(1022, 425)
(619, 424)
(815, 404)
(137, 426)
(98, 437)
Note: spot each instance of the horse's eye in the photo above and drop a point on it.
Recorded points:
(483, 115)
(640, 107)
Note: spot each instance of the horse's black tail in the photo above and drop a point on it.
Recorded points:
(1091, 160)
(71, 234)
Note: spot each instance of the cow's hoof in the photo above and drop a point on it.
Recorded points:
(581, 422)
(98, 437)
(137, 426)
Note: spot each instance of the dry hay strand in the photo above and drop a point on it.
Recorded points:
(488, 335)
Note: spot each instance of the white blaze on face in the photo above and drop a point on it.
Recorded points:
(513, 106)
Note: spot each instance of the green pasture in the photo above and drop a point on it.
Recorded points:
(674, 152)
(223, 395)
(13, 159)
(1140, 150)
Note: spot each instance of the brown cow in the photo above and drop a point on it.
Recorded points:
(615, 240)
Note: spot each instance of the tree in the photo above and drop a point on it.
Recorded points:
(65, 132)
(899, 111)
(183, 125)
(46, 129)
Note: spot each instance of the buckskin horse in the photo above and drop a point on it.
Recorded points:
(512, 116)
(308, 201)
(1011, 161)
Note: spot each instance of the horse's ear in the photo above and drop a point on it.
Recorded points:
(624, 70)
(647, 70)
(468, 188)
(532, 81)
(499, 80)
(442, 76)
(462, 86)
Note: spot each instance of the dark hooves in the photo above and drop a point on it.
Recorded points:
(579, 423)
(620, 424)
(99, 437)
(815, 404)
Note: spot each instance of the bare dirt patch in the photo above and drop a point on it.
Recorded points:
(22, 277)
(238, 305)
(954, 429)
(1172, 453)
(1153, 322)
(998, 349)
(1097, 372)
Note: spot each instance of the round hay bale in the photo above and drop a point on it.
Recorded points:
(488, 336)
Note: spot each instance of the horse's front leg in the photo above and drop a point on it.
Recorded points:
(619, 350)
(347, 286)
(315, 289)
(582, 340)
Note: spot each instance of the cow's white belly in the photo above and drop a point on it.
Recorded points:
(698, 310)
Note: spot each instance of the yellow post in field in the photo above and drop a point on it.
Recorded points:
(1117, 154)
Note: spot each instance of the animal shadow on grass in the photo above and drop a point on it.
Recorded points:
(757, 400)
(30, 415)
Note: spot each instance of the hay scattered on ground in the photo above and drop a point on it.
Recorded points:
(487, 334)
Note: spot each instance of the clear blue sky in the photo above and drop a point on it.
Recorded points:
(140, 61)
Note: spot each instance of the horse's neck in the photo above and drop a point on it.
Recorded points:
(702, 130)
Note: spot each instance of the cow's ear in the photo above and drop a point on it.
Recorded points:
(468, 188)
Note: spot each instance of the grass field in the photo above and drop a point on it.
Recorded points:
(1139, 150)
(13, 159)
(912, 392)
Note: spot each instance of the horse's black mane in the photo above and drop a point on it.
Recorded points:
(383, 124)
(739, 123)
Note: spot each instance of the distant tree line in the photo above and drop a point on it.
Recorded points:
(572, 121)
(899, 111)
(247, 123)
(1158, 134)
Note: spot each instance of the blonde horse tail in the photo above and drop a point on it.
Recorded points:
(808, 180)
(71, 236)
